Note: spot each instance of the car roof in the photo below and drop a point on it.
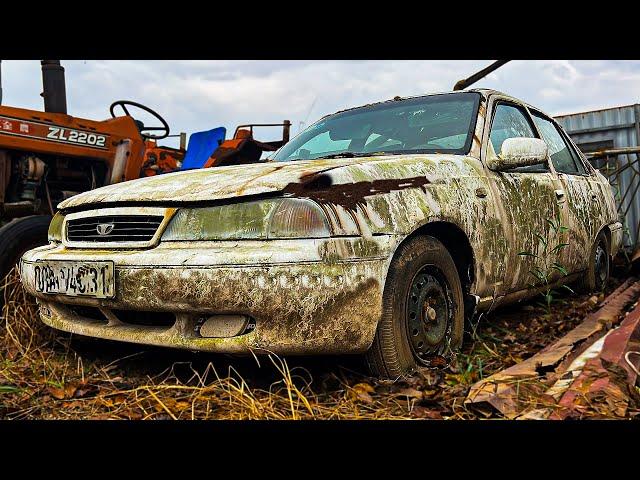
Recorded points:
(485, 92)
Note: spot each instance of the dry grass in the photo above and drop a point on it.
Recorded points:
(49, 374)
(43, 376)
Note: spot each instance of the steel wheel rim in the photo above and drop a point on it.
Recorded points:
(601, 261)
(429, 313)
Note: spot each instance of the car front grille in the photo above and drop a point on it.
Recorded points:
(115, 228)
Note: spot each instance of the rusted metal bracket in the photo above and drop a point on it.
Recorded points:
(604, 370)
(525, 386)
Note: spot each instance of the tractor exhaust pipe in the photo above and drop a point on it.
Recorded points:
(54, 90)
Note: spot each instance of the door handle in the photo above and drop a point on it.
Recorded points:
(559, 194)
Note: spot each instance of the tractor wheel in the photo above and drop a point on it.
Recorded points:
(16, 237)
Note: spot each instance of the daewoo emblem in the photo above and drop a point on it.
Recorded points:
(104, 228)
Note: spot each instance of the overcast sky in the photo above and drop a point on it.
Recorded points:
(199, 95)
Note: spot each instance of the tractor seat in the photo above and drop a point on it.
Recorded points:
(241, 149)
(236, 141)
(201, 146)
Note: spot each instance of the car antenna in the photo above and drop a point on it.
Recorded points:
(304, 122)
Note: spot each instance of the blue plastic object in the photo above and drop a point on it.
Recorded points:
(201, 146)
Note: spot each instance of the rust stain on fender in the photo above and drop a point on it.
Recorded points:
(349, 196)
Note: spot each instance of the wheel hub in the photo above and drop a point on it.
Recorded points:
(428, 312)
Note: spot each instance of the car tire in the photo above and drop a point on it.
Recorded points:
(598, 272)
(18, 236)
(422, 312)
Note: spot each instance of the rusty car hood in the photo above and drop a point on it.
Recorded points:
(242, 180)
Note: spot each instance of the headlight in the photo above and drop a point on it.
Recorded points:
(264, 219)
(55, 228)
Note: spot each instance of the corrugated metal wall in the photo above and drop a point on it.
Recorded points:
(613, 128)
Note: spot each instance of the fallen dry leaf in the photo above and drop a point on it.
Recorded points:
(102, 417)
(133, 415)
(364, 397)
(364, 387)
(437, 361)
(362, 392)
(422, 412)
(57, 393)
(70, 390)
(411, 393)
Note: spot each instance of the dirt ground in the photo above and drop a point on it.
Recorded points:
(46, 374)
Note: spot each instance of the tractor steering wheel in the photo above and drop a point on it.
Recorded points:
(141, 126)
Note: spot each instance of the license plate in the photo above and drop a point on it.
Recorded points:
(76, 279)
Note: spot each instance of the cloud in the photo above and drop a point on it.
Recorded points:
(197, 95)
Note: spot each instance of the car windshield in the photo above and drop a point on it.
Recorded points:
(435, 123)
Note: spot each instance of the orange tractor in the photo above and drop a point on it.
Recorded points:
(46, 157)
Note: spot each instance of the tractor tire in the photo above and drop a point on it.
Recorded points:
(423, 310)
(18, 236)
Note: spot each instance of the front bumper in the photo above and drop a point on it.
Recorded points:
(305, 296)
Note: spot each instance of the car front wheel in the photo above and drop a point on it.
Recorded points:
(423, 313)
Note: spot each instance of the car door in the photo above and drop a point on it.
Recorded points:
(526, 198)
(580, 200)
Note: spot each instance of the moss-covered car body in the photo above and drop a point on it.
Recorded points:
(322, 295)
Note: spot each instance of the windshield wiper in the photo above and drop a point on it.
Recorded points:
(351, 155)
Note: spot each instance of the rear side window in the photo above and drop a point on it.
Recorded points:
(576, 156)
(563, 158)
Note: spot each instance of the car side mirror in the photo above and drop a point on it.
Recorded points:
(519, 152)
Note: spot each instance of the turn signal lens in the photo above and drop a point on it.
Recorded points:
(298, 218)
(55, 228)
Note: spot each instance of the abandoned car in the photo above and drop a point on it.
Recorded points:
(378, 229)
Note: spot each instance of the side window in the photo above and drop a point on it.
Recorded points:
(510, 121)
(562, 157)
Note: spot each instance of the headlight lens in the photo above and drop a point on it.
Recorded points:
(55, 228)
(264, 219)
